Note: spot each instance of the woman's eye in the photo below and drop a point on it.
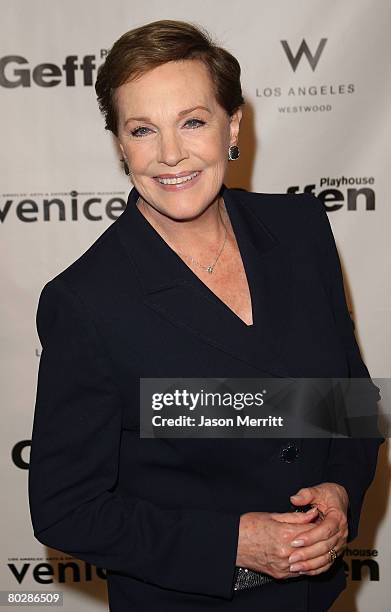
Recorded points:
(194, 123)
(140, 131)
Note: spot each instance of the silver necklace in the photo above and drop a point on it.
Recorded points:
(212, 266)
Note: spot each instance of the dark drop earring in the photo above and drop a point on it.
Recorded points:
(233, 152)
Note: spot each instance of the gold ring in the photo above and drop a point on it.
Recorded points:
(332, 555)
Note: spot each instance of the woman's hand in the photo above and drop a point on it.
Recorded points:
(330, 530)
(264, 540)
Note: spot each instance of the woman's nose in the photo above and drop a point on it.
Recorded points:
(171, 150)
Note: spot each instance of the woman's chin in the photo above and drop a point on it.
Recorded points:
(183, 213)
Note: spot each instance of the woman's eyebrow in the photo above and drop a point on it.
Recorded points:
(181, 113)
(190, 110)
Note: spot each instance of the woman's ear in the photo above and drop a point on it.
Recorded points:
(121, 148)
(234, 126)
(123, 157)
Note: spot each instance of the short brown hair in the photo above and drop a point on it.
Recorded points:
(156, 43)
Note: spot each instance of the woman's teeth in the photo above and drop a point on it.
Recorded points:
(177, 181)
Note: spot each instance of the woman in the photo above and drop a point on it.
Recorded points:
(193, 280)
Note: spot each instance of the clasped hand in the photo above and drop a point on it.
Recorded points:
(288, 544)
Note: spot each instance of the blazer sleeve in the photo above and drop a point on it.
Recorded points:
(74, 464)
(352, 461)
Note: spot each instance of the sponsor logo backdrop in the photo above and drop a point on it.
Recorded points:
(316, 119)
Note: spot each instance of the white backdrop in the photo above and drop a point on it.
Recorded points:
(318, 91)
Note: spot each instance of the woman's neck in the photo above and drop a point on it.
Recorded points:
(198, 237)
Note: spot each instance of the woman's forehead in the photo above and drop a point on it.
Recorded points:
(181, 85)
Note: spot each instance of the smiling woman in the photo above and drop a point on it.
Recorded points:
(193, 280)
(174, 136)
(177, 156)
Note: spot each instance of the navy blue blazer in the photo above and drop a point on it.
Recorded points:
(162, 515)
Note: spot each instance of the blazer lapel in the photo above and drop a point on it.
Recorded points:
(176, 293)
(268, 269)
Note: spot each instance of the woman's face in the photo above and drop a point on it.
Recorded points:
(170, 126)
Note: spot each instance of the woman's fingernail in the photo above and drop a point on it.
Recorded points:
(297, 543)
(293, 558)
(295, 568)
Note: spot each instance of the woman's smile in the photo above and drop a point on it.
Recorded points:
(177, 182)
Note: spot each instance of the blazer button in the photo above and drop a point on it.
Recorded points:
(289, 453)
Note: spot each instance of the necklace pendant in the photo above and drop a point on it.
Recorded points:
(209, 269)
